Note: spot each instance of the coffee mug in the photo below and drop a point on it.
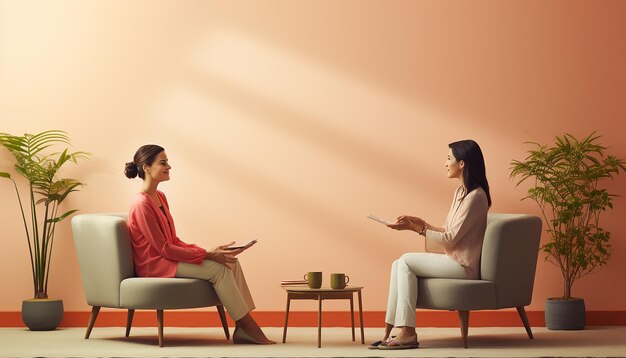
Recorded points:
(314, 279)
(338, 280)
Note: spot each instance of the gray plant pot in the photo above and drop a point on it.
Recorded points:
(42, 314)
(565, 314)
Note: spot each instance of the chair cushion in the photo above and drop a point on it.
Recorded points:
(455, 294)
(166, 293)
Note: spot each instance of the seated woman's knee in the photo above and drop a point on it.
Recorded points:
(405, 257)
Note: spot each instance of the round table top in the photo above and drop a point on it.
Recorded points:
(306, 288)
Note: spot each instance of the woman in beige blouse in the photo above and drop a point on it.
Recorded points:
(461, 237)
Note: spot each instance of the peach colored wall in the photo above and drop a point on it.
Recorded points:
(291, 121)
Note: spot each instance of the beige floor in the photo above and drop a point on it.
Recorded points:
(302, 342)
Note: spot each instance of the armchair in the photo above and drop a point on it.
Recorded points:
(106, 263)
(507, 267)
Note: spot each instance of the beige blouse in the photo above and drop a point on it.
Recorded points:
(464, 230)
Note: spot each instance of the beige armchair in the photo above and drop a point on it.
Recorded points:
(106, 263)
(507, 268)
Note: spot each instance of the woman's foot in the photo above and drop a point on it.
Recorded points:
(400, 342)
(397, 343)
(241, 337)
(248, 331)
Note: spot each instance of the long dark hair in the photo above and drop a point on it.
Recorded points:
(474, 173)
(146, 154)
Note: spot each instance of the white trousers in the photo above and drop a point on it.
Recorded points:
(403, 283)
(229, 284)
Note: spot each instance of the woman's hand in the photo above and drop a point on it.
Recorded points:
(406, 222)
(222, 255)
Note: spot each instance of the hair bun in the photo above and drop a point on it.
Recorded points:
(130, 170)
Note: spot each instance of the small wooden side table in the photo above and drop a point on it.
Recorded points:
(303, 292)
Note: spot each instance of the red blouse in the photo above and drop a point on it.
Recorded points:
(156, 248)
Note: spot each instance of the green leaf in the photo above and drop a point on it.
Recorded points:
(60, 218)
(5, 175)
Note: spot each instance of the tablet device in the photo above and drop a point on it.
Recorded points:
(380, 220)
(252, 242)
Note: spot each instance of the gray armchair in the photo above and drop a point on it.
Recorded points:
(106, 263)
(507, 268)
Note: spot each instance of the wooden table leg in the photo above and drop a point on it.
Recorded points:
(361, 318)
(319, 322)
(286, 318)
(352, 314)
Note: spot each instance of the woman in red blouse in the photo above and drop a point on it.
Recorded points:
(158, 252)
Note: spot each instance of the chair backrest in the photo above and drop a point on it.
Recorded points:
(509, 257)
(104, 254)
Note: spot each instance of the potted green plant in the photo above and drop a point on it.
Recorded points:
(567, 177)
(41, 214)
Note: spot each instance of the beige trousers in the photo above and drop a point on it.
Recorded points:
(402, 299)
(229, 284)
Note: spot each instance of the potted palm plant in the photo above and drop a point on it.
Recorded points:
(40, 215)
(566, 186)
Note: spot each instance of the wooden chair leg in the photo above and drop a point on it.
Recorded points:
(129, 320)
(92, 319)
(522, 314)
(160, 324)
(220, 310)
(464, 320)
